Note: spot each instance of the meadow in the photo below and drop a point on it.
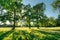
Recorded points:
(42, 33)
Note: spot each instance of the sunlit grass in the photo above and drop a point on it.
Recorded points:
(27, 28)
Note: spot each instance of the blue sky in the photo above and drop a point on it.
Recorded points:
(49, 10)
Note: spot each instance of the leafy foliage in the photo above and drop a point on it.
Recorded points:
(56, 4)
(19, 14)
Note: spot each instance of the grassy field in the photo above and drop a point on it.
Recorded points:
(42, 33)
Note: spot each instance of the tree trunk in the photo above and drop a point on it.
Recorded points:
(29, 22)
(38, 19)
(14, 19)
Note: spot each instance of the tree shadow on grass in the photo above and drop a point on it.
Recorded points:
(54, 36)
(20, 35)
(5, 34)
(1, 32)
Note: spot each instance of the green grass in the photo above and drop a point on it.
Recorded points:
(30, 34)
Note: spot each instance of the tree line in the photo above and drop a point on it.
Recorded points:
(14, 13)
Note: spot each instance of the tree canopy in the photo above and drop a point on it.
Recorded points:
(19, 14)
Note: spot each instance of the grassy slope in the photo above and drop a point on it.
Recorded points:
(30, 34)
